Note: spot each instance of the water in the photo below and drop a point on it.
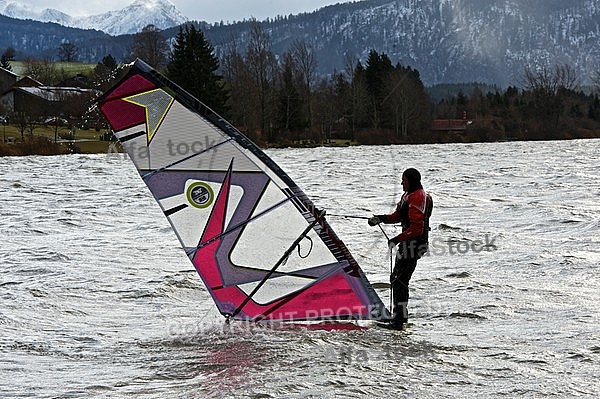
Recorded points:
(98, 300)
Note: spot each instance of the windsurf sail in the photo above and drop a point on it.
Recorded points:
(259, 244)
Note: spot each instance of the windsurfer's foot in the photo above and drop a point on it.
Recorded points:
(397, 324)
(392, 324)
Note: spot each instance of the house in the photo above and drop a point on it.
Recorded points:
(29, 97)
(7, 79)
(78, 80)
(449, 125)
(28, 81)
(39, 102)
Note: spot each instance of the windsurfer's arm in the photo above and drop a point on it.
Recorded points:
(417, 225)
(385, 219)
(391, 218)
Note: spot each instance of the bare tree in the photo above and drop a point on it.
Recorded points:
(326, 112)
(67, 52)
(262, 67)
(289, 102)
(548, 89)
(358, 92)
(151, 46)
(42, 70)
(406, 101)
(21, 120)
(550, 80)
(237, 76)
(305, 59)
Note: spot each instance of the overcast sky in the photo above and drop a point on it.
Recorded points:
(202, 10)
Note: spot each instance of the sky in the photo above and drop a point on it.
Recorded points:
(202, 10)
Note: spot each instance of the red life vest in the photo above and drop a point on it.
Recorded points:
(413, 212)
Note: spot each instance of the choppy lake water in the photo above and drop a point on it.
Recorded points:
(98, 300)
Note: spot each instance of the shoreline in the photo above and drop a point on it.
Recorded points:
(86, 146)
(58, 141)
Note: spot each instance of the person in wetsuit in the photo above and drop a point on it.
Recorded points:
(412, 212)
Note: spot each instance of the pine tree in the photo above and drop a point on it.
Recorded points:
(377, 73)
(7, 56)
(4, 63)
(194, 67)
(109, 62)
(105, 72)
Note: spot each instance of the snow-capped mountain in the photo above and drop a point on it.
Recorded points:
(131, 19)
(489, 41)
(447, 41)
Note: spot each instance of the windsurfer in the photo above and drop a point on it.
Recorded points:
(412, 212)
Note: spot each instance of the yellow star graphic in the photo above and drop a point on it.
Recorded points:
(157, 103)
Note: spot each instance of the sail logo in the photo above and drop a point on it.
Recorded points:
(156, 104)
(200, 195)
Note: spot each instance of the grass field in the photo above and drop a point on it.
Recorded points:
(70, 68)
(88, 141)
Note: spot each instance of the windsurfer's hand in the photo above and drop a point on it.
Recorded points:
(374, 221)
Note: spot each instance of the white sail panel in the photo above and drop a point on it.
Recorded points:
(184, 142)
(189, 222)
(275, 230)
(135, 143)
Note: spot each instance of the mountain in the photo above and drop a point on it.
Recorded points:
(41, 40)
(447, 41)
(489, 41)
(131, 19)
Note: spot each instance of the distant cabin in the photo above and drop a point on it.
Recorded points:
(7, 79)
(31, 97)
(26, 98)
(449, 125)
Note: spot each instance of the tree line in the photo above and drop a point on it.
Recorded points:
(548, 103)
(280, 98)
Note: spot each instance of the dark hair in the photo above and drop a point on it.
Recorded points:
(414, 179)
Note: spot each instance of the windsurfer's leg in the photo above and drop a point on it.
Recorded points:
(400, 278)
